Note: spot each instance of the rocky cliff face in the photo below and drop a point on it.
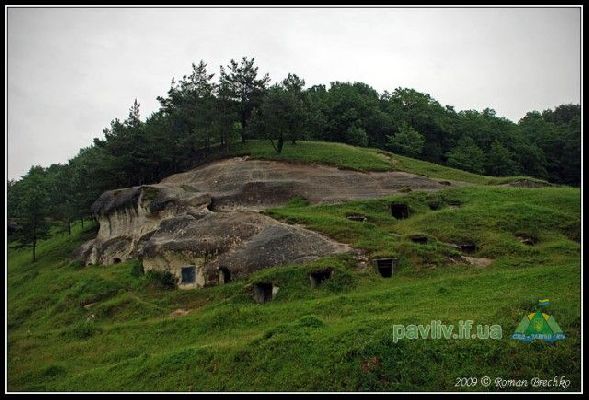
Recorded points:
(204, 226)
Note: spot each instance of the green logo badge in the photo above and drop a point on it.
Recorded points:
(538, 325)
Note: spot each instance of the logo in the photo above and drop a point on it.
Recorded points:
(538, 325)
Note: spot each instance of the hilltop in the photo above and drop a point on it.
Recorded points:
(115, 327)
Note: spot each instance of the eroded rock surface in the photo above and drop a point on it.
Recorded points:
(204, 226)
(239, 183)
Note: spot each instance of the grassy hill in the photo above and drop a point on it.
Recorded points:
(114, 328)
(364, 159)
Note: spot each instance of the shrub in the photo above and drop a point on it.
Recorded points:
(81, 330)
(161, 279)
(434, 201)
(137, 268)
(76, 264)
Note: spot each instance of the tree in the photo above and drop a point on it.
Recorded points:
(500, 161)
(29, 207)
(62, 194)
(424, 114)
(346, 106)
(245, 88)
(199, 89)
(191, 108)
(225, 113)
(467, 156)
(133, 120)
(298, 112)
(280, 116)
(407, 141)
(356, 136)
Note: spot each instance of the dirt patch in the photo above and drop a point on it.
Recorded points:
(180, 312)
(527, 183)
(478, 262)
(370, 364)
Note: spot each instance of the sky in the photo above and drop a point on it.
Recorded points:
(71, 71)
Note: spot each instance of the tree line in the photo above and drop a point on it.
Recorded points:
(204, 113)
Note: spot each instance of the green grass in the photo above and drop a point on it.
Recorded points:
(335, 154)
(109, 327)
(363, 159)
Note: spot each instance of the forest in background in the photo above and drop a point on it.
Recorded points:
(204, 114)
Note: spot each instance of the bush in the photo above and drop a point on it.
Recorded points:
(81, 330)
(310, 321)
(76, 264)
(356, 136)
(53, 370)
(434, 201)
(161, 279)
(137, 269)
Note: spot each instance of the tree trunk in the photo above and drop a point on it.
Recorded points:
(280, 143)
(69, 227)
(82, 222)
(34, 241)
(243, 125)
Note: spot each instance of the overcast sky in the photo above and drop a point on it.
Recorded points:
(71, 71)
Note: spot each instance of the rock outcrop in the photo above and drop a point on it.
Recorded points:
(204, 226)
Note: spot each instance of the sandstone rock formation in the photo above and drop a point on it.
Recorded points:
(204, 226)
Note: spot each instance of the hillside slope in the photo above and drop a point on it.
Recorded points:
(366, 159)
(114, 328)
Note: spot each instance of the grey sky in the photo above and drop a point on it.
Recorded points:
(71, 71)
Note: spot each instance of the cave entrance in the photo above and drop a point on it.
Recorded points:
(527, 240)
(224, 275)
(467, 247)
(356, 218)
(116, 260)
(188, 274)
(384, 267)
(263, 292)
(419, 239)
(399, 210)
(454, 203)
(319, 276)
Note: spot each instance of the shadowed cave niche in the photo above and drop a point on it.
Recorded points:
(528, 240)
(319, 276)
(224, 275)
(385, 266)
(419, 239)
(467, 247)
(264, 292)
(399, 210)
(356, 217)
